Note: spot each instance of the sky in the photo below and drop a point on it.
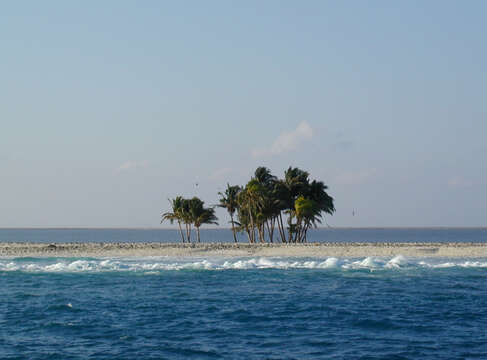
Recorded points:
(109, 108)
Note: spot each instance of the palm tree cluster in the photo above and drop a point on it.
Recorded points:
(261, 205)
(190, 212)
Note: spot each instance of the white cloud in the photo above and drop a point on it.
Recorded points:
(131, 165)
(287, 141)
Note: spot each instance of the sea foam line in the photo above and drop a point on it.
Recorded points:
(155, 265)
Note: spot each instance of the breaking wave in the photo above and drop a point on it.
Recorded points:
(154, 265)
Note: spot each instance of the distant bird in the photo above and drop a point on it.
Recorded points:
(196, 184)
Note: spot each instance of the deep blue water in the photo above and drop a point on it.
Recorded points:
(244, 308)
(224, 235)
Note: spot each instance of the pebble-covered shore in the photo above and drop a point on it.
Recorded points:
(243, 249)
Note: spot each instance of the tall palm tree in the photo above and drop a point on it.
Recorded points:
(176, 214)
(267, 215)
(307, 215)
(263, 201)
(280, 196)
(245, 216)
(194, 210)
(309, 207)
(186, 217)
(296, 181)
(253, 200)
(229, 201)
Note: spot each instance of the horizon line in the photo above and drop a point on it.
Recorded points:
(440, 227)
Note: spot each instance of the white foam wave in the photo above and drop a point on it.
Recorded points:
(397, 262)
(154, 265)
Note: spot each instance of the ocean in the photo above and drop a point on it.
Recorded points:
(245, 307)
(338, 235)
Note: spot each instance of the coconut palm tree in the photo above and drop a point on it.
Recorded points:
(296, 181)
(243, 223)
(200, 215)
(281, 197)
(264, 177)
(244, 214)
(309, 208)
(266, 217)
(186, 217)
(176, 214)
(229, 201)
(316, 191)
(307, 214)
(252, 199)
(205, 216)
(195, 209)
(263, 201)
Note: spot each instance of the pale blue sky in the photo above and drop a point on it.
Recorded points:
(109, 108)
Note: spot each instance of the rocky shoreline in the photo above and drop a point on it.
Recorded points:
(242, 249)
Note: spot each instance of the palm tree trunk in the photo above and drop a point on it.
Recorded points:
(290, 222)
(188, 233)
(297, 236)
(233, 229)
(298, 229)
(248, 234)
(305, 235)
(281, 228)
(252, 225)
(198, 233)
(181, 231)
(273, 226)
(269, 231)
(262, 233)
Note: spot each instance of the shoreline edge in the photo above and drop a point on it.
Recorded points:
(12, 249)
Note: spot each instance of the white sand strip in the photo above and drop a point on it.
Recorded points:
(226, 249)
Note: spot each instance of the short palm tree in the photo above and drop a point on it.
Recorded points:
(307, 215)
(206, 216)
(201, 215)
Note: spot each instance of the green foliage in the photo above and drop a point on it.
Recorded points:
(189, 212)
(229, 201)
(260, 207)
(262, 203)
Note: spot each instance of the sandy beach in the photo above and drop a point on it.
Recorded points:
(228, 250)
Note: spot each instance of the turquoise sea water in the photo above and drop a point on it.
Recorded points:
(243, 308)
